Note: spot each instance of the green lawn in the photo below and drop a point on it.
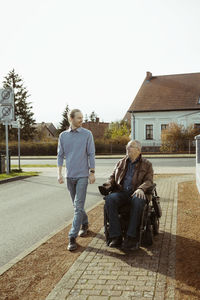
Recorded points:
(17, 173)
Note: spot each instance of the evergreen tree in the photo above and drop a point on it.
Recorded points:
(86, 118)
(93, 116)
(64, 124)
(22, 107)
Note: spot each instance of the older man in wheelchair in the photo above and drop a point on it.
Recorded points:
(131, 179)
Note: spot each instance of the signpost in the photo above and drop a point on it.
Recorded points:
(7, 115)
(16, 124)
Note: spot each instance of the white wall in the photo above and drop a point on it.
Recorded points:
(185, 118)
(198, 162)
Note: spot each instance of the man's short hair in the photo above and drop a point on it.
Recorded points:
(73, 111)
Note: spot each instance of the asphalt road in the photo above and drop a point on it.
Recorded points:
(33, 208)
(157, 162)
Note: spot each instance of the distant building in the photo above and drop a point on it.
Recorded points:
(162, 100)
(46, 131)
(97, 128)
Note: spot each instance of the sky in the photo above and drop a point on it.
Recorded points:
(94, 54)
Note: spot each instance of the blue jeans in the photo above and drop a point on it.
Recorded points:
(116, 200)
(78, 188)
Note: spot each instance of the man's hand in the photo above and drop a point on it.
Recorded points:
(60, 179)
(139, 193)
(91, 178)
(107, 185)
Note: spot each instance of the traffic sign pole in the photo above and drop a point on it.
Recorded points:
(16, 124)
(7, 115)
(19, 146)
(7, 153)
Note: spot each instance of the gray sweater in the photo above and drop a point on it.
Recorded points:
(77, 146)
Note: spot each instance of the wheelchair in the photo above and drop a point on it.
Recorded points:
(149, 219)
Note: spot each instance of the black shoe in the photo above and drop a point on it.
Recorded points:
(116, 242)
(130, 243)
(72, 244)
(84, 230)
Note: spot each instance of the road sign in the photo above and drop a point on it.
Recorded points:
(6, 113)
(6, 96)
(15, 124)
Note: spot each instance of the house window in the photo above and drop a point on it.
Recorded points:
(149, 132)
(197, 126)
(164, 126)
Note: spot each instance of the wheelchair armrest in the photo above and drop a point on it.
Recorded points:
(148, 197)
(104, 190)
(151, 189)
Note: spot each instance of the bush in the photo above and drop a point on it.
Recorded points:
(176, 138)
(117, 130)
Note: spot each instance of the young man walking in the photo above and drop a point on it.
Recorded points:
(77, 146)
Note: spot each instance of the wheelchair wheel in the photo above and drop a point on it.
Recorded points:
(155, 223)
(156, 226)
(147, 236)
(106, 227)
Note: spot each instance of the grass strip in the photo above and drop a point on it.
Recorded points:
(16, 174)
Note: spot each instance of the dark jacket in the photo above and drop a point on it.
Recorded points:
(142, 178)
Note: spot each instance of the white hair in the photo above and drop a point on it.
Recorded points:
(138, 144)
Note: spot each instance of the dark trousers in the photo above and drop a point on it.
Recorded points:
(116, 200)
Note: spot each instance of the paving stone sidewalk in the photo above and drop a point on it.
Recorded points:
(101, 272)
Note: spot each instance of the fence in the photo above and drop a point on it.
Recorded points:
(179, 146)
(198, 161)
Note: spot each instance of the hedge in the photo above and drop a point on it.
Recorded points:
(29, 148)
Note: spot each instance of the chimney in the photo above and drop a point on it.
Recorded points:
(148, 76)
(97, 120)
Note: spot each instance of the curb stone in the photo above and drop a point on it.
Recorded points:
(15, 178)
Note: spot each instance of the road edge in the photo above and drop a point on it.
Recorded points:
(11, 179)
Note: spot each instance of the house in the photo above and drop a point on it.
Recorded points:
(46, 131)
(97, 128)
(162, 100)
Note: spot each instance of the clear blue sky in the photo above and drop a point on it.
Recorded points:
(94, 55)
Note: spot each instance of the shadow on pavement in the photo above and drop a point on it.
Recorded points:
(156, 259)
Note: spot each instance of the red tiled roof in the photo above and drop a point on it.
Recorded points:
(167, 92)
